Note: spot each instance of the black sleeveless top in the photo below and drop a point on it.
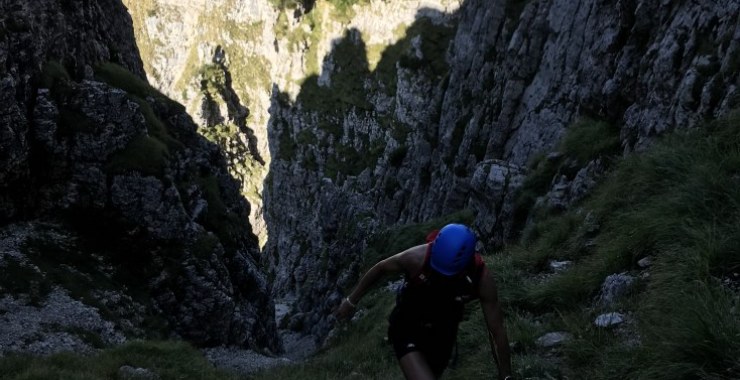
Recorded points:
(431, 298)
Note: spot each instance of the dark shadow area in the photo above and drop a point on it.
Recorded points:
(120, 168)
(325, 137)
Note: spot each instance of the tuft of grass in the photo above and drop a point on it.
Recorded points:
(584, 141)
(119, 77)
(588, 139)
(361, 350)
(52, 74)
(168, 360)
(155, 148)
(143, 154)
(680, 203)
(155, 126)
(434, 42)
(219, 218)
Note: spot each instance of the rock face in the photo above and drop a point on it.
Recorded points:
(435, 107)
(145, 207)
(458, 131)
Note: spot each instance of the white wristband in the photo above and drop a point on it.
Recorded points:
(350, 302)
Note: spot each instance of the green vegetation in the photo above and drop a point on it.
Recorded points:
(143, 154)
(53, 73)
(589, 139)
(350, 161)
(169, 360)
(219, 218)
(434, 42)
(61, 264)
(347, 91)
(17, 24)
(679, 203)
(125, 80)
(584, 141)
(286, 4)
(361, 350)
(156, 127)
(20, 278)
(343, 11)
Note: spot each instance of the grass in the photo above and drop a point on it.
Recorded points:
(150, 154)
(584, 141)
(360, 351)
(53, 73)
(168, 360)
(61, 263)
(119, 77)
(219, 218)
(679, 203)
(20, 278)
(144, 154)
(589, 139)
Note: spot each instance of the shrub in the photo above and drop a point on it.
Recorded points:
(143, 154)
(53, 73)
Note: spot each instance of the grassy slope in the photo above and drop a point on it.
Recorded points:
(679, 203)
(169, 360)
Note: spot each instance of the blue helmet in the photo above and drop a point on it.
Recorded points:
(452, 249)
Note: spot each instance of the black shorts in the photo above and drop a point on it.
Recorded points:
(434, 341)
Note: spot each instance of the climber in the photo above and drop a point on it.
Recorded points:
(440, 277)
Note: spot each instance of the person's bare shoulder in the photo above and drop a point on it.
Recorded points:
(412, 259)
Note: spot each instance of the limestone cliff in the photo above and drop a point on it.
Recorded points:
(377, 112)
(113, 208)
(453, 120)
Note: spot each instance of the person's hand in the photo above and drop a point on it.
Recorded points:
(345, 310)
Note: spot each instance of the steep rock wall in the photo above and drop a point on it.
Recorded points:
(444, 135)
(394, 112)
(141, 208)
(257, 44)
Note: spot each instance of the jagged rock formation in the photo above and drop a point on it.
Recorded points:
(393, 112)
(458, 130)
(257, 44)
(107, 193)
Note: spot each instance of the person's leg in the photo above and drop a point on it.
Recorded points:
(415, 366)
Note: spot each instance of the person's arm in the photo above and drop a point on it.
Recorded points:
(393, 264)
(495, 321)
